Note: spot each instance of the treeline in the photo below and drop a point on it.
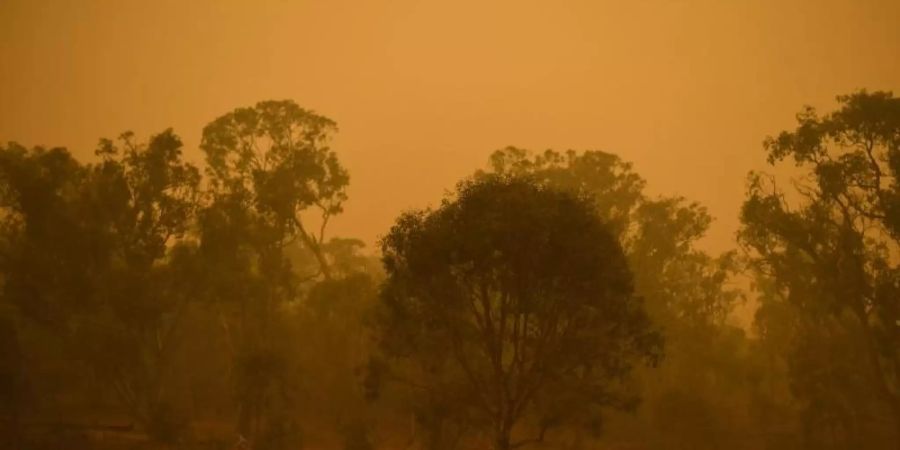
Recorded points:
(550, 302)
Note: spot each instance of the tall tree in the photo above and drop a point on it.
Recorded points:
(270, 167)
(828, 246)
(659, 235)
(688, 292)
(530, 294)
(275, 157)
(96, 255)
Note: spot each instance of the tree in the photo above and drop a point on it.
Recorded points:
(659, 236)
(530, 295)
(829, 247)
(688, 293)
(95, 255)
(275, 157)
(269, 167)
(616, 190)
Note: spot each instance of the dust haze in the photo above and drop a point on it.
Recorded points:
(659, 224)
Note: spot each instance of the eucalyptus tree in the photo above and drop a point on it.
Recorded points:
(276, 159)
(274, 184)
(689, 292)
(828, 247)
(518, 300)
(96, 254)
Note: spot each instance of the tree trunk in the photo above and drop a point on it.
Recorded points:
(502, 438)
(897, 429)
(880, 378)
(502, 442)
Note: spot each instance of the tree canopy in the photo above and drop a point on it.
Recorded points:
(149, 302)
(529, 293)
(827, 249)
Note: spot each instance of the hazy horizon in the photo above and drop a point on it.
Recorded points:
(685, 90)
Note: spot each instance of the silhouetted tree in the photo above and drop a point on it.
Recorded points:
(828, 249)
(268, 165)
(275, 157)
(96, 253)
(688, 293)
(524, 293)
(659, 236)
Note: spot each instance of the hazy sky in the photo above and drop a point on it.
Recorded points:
(423, 91)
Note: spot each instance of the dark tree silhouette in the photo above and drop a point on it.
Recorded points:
(267, 165)
(524, 293)
(687, 292)
(96, 256)
(828, 251)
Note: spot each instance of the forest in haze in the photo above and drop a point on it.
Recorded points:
(548, 301)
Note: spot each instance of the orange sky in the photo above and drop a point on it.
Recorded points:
(424, 90)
